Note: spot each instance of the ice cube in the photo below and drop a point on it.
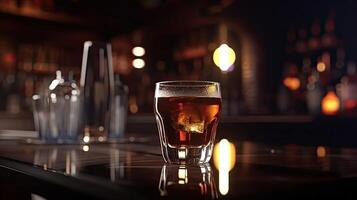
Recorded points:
(187, 124)
(195, 127)
(189, 119)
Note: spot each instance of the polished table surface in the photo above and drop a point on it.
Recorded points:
(136, 170)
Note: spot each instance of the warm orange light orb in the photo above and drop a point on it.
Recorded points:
(292, 83)
(321, 152)
(224, 57)
(321, 67)
(330, 104)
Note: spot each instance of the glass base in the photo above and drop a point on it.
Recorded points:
(187, 155)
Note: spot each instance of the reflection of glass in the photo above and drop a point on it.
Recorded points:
(187, 116)
(116, 167)
(52, 158)
(46, 158)
(71, 163)
(97, 86)
(192, 182)
(224, 158)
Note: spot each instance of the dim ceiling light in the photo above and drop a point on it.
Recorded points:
(138, 63)
(138, 51)
(224, 57)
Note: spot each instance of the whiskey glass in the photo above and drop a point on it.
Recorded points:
(187, 114)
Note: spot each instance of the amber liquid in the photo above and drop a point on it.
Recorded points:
(188, 121)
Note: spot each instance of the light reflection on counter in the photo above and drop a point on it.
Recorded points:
(54, 159)
(117, 170)
(182, 175)
(71, 162)
(321, 152)
(46, 158)
(224, 157)
(323, 158)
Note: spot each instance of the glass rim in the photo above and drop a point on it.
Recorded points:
(186, 83)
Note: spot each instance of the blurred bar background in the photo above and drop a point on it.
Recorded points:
(295, 59)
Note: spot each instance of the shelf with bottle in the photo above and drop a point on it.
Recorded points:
(321, 69)
(347, 90)
(44, 59)
(334, 95)
(309, 41)
(25, 67)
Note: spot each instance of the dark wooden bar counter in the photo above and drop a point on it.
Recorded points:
(135, 170)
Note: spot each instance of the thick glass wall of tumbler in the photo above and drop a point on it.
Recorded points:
(97, 86)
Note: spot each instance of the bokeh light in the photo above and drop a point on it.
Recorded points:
(85, 148)
(330, 104)
(321, 67)
(224, 57)
(321, 152)
(292, 83)
(86, 139)
(138, 51)
(138, 63)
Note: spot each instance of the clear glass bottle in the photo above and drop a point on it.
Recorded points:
(118, 111)
(97, 86)
(314, 93)
(40, 103)
(349, 89)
